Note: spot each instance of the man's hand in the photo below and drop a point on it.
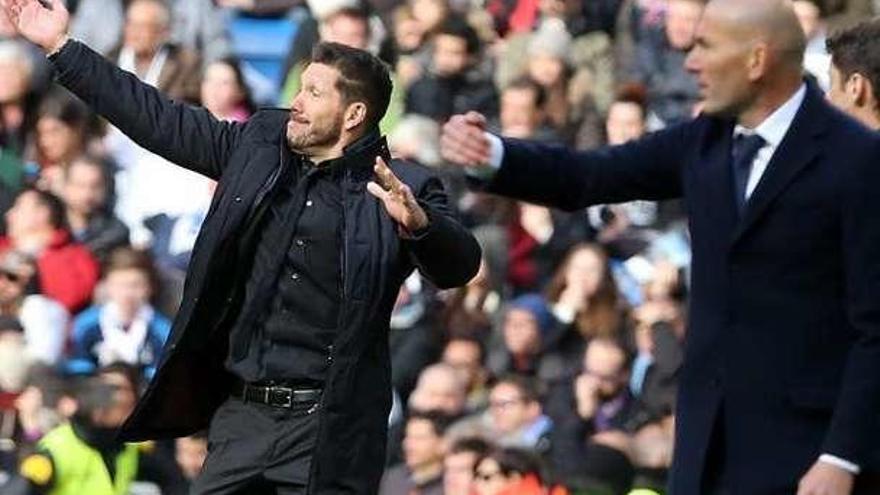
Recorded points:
(45, 26)
(463, 140)
(399, 201)
(826, 479)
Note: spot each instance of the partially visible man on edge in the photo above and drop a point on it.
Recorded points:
(280, 344)
(855, 71)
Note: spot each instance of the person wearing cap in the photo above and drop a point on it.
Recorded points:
(527, 327)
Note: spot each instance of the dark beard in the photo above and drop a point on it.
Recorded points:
(316, 137)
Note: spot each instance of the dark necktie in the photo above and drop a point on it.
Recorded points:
(745, 147)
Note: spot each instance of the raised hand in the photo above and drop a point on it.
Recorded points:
(41, 22)
(463, 141)
(399, 201)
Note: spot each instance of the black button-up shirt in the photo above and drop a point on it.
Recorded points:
(290, 336)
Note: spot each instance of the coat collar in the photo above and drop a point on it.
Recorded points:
(799, 147)
(358, 157)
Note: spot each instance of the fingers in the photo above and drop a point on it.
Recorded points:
(386, 177)
(463, 140)
(377, 191)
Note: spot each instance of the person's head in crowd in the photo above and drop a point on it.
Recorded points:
(514, 404)
(13, 358)
(440, 387)
(423, 444)
(430, 14)
(349, 26)
(47, 399)
(747, 58)
(224, 91)
(548, 52)
(416, 138)
(129, 281)
(86, 188)
(456, 47)
(17, 69)
(103, 404)
(503, 469)
(584, 284)
(17, 271)
(123, 375)
(627, 115)
(190, 453)
(526, 321)
(855, 71)
(407, 31)
(344, 93)
(458, 465)
(34, 219)
(682, 17)
(809, 15)
(147, 27)
(62, 125)
(522, 108)
(466, 354)
(606, 362)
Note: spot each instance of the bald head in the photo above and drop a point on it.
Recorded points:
(769, 21)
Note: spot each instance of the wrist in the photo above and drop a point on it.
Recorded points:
(56, 47)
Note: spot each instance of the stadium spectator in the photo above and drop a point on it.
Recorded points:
(423, 452)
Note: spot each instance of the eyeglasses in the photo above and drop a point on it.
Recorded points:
(484, 477)
(504, 403)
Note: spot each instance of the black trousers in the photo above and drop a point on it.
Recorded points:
(256, 449)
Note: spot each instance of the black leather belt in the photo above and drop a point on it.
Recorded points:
(286, 397)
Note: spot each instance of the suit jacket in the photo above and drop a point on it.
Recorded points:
(784, 325)
(246, 160)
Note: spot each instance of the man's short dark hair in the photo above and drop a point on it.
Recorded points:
(475, 445)
(525, 83)
(458, 27)
(362, 77)
(526, 386)
(857, 50)
(439, 420)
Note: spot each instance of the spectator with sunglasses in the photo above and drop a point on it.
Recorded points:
(43, 320)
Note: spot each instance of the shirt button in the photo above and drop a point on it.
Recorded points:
(294, 276)
(237, 199)
(309, 203)
(300, 243)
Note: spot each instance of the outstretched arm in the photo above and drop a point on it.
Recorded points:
(182, 134)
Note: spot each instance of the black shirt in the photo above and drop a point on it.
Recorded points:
(293, 291)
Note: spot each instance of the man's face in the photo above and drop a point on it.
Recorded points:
(450, 55)
(605, 363)
(509, 409)
(316, 114)
(421, 444)
(546, 70)
(625, 122)
(520, 115)
(682, 17)
(15, 81)
(84, 189)
(55, 139)
(837, 94)
(719, 62)
(464, 356)
(458, 473)
(439, 391)
(123, 404)
(347, 30)
(146, 28)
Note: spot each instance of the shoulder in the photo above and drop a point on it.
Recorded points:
(266, 125)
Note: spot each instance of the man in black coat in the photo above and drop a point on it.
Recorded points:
(779, 390)
(284, 318)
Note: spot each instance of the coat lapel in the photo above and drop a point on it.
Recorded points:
(797, 150)
(717, 177)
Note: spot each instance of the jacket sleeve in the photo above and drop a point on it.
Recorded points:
(446, 252)
(650, 168)
(855, 425)
(185, 135)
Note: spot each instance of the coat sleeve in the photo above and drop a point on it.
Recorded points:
(855, 425)
(446, 252)
(650, 168)
(185, 135)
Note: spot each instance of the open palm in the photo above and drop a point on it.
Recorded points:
(45, 26)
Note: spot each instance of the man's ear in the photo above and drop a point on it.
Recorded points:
(857, 89)
(757, 61)
(355, 115)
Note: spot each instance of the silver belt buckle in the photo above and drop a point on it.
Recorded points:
(287, 396)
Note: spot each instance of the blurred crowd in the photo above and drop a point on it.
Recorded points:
(552, 372)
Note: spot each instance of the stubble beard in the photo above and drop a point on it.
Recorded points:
(314, 136)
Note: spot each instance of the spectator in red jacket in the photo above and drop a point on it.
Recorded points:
(67, 272)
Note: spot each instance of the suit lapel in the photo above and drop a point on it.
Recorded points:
(797, 150)
(717, 180)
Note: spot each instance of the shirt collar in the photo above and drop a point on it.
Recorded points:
(774, 127)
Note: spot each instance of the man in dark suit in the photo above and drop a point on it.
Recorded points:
(280, 344)
(780, 382)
